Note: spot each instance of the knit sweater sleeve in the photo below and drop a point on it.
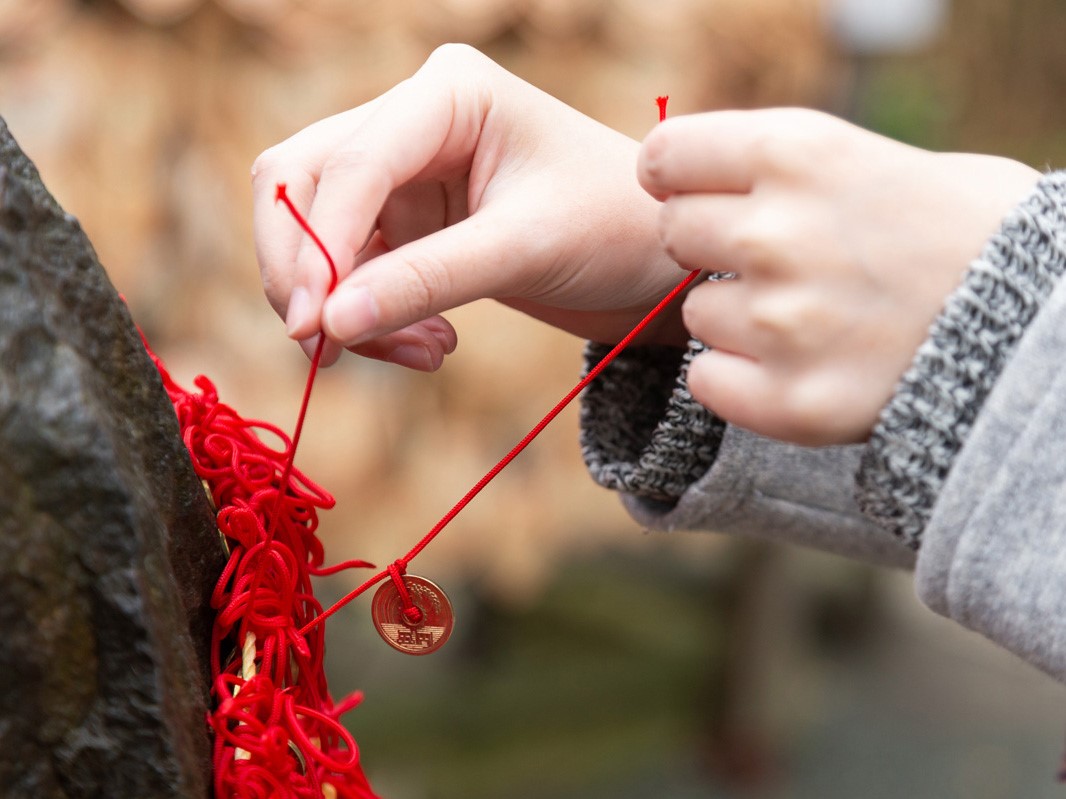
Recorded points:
(642, 433)
(990, 513)
(926, 423)
(680, 467)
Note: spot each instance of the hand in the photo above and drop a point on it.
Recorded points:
(845, 244)
(460, 183)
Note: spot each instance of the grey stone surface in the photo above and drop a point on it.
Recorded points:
(108, 549)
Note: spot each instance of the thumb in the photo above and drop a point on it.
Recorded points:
(469, 260)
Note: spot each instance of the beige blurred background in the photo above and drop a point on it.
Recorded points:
(591, 660)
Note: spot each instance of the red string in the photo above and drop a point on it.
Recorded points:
(400, 565)
(281, 195)
(277, 729)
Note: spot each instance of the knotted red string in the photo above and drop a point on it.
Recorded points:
(277, 729)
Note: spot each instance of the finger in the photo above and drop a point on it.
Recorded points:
(716, 313)
(331, 350)
(296, 162)
(277, 238)
(452, 267)
(743, 392)
(726, 151)
(701, 230)
(420, 346)
(811, 409)
(779, 324)
(394, 145)
(699, 152)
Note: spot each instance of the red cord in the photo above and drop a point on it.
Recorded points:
(281, 195)
(510, 456)
(400, 565)
(277, 729)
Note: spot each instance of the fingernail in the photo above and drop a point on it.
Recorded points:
(299, 310)
(443, 336)
(308, 345)
(413, 356)
(444, 340)
(350, 314)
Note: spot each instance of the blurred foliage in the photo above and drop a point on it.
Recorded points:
(993, 83)
(620, 668)
(900, 100)
(759, 673)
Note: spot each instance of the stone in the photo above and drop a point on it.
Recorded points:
(108, 547)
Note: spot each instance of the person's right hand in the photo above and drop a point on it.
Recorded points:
(462, 182)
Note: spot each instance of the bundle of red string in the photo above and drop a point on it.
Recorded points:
(277, 731)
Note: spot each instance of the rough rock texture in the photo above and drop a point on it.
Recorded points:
(108, 548)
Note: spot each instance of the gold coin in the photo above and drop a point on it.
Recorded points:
(430, 633)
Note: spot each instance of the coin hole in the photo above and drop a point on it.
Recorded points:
(414, 617)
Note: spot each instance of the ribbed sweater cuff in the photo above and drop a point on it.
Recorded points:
(926, 422)
(641, 431)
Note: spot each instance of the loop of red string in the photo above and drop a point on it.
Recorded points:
(277, 730)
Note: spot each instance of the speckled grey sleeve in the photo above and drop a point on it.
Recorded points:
(993, 551)
(679, 467)
(923, 427)
(642, 433)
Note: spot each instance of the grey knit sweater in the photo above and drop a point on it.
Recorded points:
(962, 477)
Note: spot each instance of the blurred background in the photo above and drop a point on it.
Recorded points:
(590, 659)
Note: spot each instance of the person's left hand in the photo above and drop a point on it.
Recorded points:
(845, 245)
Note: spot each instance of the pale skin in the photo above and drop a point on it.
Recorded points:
(465, 182)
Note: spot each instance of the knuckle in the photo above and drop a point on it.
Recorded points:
(757, 243)
(782, 316)
(779, 152)
(358, 163)
(426, 280)
(807, 410)
(266, 164)
(349, 159)
(799, 140)
(455, 54)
